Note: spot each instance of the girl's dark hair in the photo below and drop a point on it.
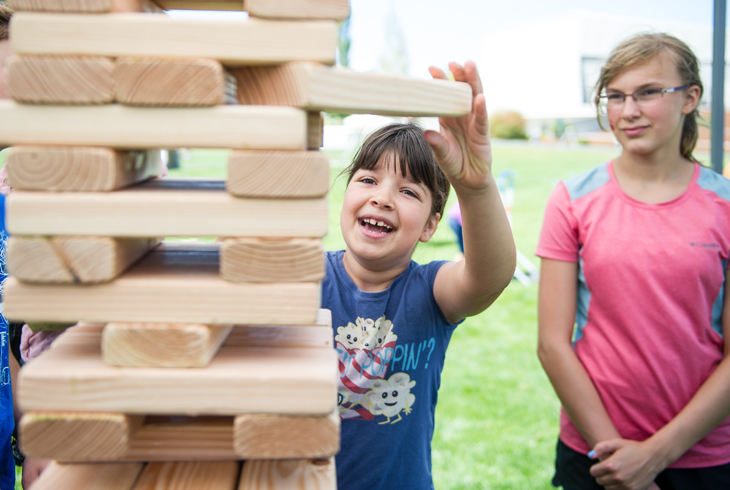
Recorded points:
(408, 150)
(5, 13)
(642, 48)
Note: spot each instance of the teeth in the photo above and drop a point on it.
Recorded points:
(380, 223)
(377, 223)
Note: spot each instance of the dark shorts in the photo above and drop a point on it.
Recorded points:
(572, 473)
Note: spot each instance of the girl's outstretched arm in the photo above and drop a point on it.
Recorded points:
(630, 464)
(463, 152)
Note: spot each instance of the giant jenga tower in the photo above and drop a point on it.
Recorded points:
(189, 358)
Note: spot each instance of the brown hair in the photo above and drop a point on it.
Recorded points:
(409, 151)
(642, 48)
(5, 13)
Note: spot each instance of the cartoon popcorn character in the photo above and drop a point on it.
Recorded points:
(378, 334)
(350, 336)
(391, 397)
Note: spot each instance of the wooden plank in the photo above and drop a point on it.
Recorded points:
(55, 168)
(287, 474)
(73, 377)
(234, 42)
(189, 475)
(272, 260)
(319, 88)
(315, 130)
(175, 283)
(112, 476)
(180, 438)
(66, 79)
(318, 335)
(164, 207)
(273, 436)
(291, 174)
(68, 259)
(298, 9)
(87, 6)
(181, 82)
(124, 127)
(162, 344)
(77, 436)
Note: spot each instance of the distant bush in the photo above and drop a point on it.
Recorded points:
(507, 125)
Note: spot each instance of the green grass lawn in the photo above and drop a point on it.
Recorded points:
(497, 417)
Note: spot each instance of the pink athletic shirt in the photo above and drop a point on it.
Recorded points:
(650, 297)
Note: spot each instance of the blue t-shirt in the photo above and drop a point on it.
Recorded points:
(391, 347)
(7, 422)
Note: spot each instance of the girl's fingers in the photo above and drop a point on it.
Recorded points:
(481, 122)
(458, 71)
(437, 73)
(438, 143)
(472, 77)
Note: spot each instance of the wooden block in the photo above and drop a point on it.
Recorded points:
(189, 475)
(272, 260)
(164, 207)
(291, 174)
(77, 436)
(272, 436)
(315, 130)
(113, 476)
(124, 127)
(298, 9)
(72, 377)
(162, 344)
(87, 6)
(173, 438)
(182, 82)
(175, 283)
(48, 168)
(234, 42)
(319, 88)
(309, 474)
(318, 335)
(67, 79)
(68, 259)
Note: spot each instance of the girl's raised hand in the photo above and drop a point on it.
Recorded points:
(462, 146)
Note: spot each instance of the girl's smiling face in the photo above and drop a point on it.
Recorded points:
(656, 125)
(385, 214)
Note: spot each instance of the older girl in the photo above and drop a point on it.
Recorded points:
(632, 308)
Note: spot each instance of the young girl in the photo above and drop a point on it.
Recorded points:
(635, 255)
(392, 317)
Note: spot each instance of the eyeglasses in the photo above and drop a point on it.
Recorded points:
(644, 96)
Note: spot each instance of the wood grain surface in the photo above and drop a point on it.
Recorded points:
(162, 344)
(87, 169)
(335, 89)
(73, 377)
(79, 436)
(164, 207)
(298, 9)
(299, 474)
(273, 436)
(67, 259)
(234, 42)
(169, 82)
(111, 476)
(272, 260)
(189, 475)
(175, 283)
(290, 174)
(86, 6)
(67, 79)
(123, 127)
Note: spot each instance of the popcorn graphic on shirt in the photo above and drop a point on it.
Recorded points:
(350, 336)
(391, 397)
(378, 334)
(364, 350)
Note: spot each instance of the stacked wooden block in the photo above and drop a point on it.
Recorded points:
(157, 387)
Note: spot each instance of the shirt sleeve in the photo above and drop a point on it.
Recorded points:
(559, 234)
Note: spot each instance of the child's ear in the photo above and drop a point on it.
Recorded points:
(430, 229)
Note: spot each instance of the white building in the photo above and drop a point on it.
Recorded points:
(546, 70)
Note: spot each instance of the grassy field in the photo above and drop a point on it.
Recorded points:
(497, 417)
